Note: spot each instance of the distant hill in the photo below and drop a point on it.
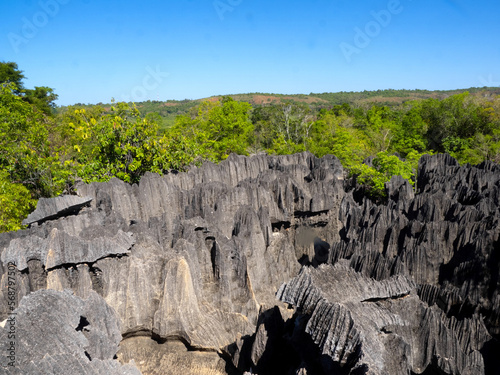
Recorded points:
(395, 97)
(170, 109)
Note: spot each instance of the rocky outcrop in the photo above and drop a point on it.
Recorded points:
(52, 208)
(381, 327)
(191, 264)
(55, 332)
(62, 249)
(191, 257)
(446, 236)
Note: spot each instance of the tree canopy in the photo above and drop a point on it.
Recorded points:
(42, 97)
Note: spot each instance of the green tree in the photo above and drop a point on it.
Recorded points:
(15, 203)
(119, 144)
(287, 120)
(410, 132)
(10, 73)
(42, 97)
(381, 128)
(373, 179)
(220, 128)
(334, 133)
(265, 131)
(458, 116)
(24, 147)
(281, 146)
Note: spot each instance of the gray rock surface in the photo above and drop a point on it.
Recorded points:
(191, 264)
(171, 357)
(54, 332)
(381, 327)
(52, 208)
(61, 248)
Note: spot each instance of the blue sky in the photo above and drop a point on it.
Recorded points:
(90, 51)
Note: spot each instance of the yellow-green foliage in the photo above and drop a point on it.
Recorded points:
(119, 144)
(15, 203)
(216, 128)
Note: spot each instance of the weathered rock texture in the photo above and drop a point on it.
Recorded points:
(54, 332)
(192, 263)
(381, 327)
(446, 237)
(49, 209)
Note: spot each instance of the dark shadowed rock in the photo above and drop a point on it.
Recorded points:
(446, 236)
(381, 327)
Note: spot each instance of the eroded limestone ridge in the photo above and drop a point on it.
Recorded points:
(362, 325)
(191, 265)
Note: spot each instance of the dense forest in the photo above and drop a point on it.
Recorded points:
(167, 111)
(45, 150)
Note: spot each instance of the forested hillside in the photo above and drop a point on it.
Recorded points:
(167, 111)
(45, 150)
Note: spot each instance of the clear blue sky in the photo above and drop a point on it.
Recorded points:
(90, 51)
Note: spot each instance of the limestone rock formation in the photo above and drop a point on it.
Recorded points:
(52, 208)
(191, 265)
(446, 236)
(381, 327)
(56, 333)
(61, 248)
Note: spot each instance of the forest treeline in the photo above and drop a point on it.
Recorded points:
(167, 111)
(45, 151)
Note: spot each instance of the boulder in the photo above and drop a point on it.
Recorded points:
(52, 208)
(54, 332)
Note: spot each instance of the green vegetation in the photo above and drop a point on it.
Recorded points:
(218, 128)
(373, 179)
(44, 149)
(15, 203)
(43, 97)
(166, 111)
(102, 146)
